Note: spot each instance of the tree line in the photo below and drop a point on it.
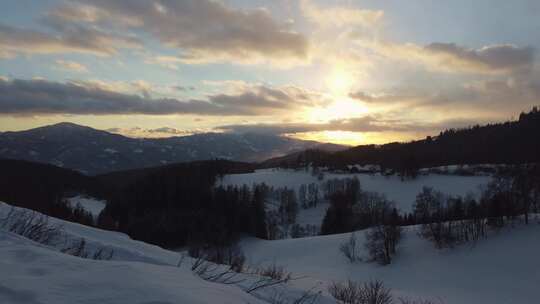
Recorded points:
(511, 142)
(510, 198)
(445, 220)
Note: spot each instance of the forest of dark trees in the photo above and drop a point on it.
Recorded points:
(512, 142)
(166, 205)
(178, 205)
(352, 209)
(43, 188)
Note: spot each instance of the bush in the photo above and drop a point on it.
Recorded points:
(79, 249)
(231, 255)
(274, 272)
(417, 301)
(352, 292)
(32, 225)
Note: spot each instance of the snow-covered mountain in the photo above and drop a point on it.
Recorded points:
(94, 151)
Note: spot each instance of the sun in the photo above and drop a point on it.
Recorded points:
(339, 109)
(339, 81)
(335, 137)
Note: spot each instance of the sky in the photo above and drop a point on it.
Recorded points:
(348, 72)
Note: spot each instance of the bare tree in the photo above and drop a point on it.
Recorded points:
(381, 243)
(349, 249)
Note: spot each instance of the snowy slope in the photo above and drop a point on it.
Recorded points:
(33, 274)
(138, 272)
(125, 248)
(402, 192)
(503, 269)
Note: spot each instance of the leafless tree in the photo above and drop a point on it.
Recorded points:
(381, 243)
(349, 249)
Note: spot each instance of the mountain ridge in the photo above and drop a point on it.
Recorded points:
(93, 151)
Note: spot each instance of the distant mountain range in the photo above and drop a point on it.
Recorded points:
(92, 151)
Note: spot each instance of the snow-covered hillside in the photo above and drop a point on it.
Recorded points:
(32, 274)
(138, 272)
(503, 269)
(499, 270)
(141, 273)
(403, 193)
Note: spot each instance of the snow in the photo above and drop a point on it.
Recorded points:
(137, 273)
(499, 270)
(124, 247)
(403, 193)
(34, 274)
(90, 204)
(110, 150)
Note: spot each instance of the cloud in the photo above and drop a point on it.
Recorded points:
(203, 30)
(71, 66)
(339, 16)
(453, 58)
(183, 88)
(169, 62)
(162, 132)
(369, 123)
(69, 40)
(269, 99)
(492, 58)
(396, 97)
(20, 97)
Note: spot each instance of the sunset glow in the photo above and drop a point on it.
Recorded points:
(346, 71)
